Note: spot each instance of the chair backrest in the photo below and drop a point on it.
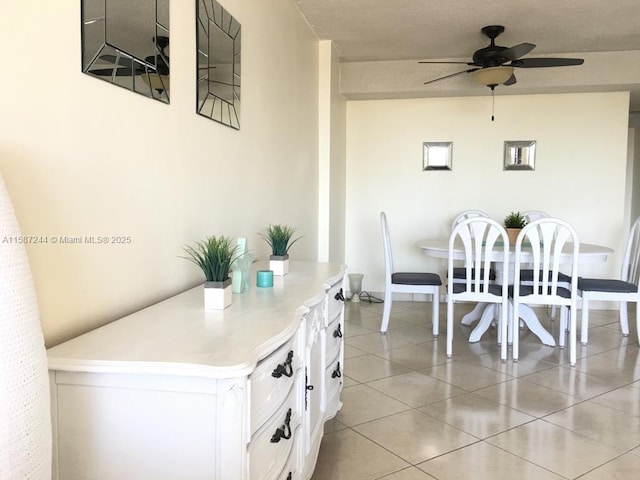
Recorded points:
(484, 242)
(547, 244)
(466, 214)
(630, 271)
(533, 215)
(386, 243)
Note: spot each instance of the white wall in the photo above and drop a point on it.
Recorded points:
(579, 175)
(332, 153)
(81, 157)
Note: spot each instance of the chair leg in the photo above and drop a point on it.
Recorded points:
(435, 314)
(386, 310)
(573, 320)
(637, 323)
(510, 325)
(563, 327)
(503, 326)
(624, 320)
(584, 326)
(515, 329)
(449, 347)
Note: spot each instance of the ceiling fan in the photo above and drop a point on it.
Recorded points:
(155, 68)
(494, 65)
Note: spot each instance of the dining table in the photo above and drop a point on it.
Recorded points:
(439, 248)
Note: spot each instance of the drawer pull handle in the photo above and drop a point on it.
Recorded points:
(338, 332)
(339, 296)
(290, 476)
(337, 373)
(284, 431)
(285, 368)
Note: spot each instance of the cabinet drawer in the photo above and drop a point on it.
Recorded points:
(335, 333)
(273, 444)
(333, 386)
(335, 300)
(272, 380)
(290, 471)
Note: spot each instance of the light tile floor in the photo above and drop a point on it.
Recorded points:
(412, 414)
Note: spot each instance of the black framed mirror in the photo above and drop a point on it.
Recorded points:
(127, 44)
(218, 50)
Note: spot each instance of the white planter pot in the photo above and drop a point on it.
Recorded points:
(217, 295)
(279, 264)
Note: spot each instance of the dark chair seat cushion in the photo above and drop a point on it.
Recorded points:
(606, 285)
(416, 278)
(528, 290)
(527, 276)
(461, 287)
(461, 273)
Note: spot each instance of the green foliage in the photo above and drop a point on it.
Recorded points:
(279, 238)
(214, 256)
(514, 220)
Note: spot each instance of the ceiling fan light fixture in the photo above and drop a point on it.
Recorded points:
(492, 75)
(158, 82)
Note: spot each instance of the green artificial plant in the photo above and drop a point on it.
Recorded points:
(279, 238)
(514, 220)
(214, 256)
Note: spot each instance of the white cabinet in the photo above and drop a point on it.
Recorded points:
(174, 391)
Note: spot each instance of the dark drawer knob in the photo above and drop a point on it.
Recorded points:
(284, 431)
(337, 332)
(339, 296)
(285, 368)
(337, 373)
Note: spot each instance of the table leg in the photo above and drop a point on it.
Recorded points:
(474, 314)
(485, 322)
(526, 313)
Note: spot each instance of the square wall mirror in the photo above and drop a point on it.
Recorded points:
(126, 44)
(520, 155)
(436, 155)
(218, 51)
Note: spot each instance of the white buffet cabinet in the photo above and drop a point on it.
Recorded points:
(177, 392)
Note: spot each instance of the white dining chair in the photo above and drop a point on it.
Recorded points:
(547, 240)
(484, 241)
(460, 272)
(406, 282)
(622, 290)
(533, 215)
(526, 275)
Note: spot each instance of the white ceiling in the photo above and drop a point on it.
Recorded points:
(410, 30)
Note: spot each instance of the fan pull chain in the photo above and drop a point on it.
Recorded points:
(493, 102)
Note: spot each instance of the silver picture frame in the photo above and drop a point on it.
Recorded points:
(520, 155)
(437, 155)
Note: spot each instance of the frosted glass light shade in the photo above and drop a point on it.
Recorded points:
(25, 416)
(492, 75)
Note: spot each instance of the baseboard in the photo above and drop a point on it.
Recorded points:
(420, 297)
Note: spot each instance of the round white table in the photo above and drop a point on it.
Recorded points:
(439, 248)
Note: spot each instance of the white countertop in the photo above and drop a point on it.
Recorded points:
(177, 336)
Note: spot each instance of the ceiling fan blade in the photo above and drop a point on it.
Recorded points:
(108, 72)
(451, 75)
(457, 63)
(511, 80)
(546, 62)
(517, 51)
(122, 61)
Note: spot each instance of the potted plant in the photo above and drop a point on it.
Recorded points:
(513, 223)
(279, 238)
(214, 256)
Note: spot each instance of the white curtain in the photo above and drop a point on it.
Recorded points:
(25, 416)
